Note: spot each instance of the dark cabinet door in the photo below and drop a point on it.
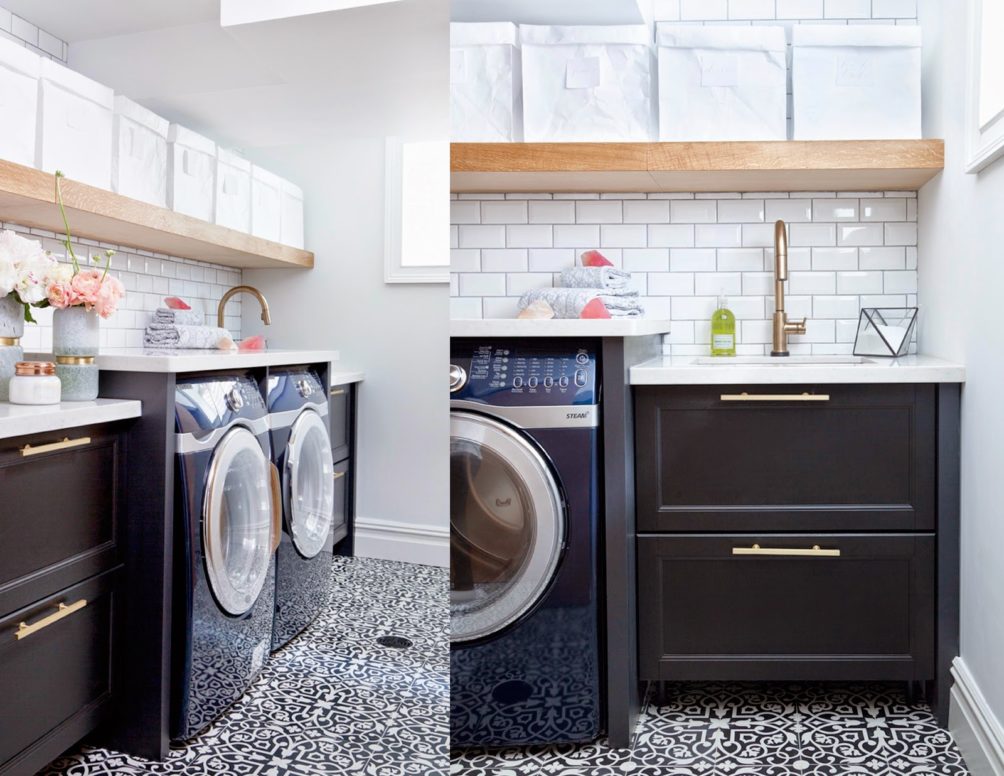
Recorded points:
(341, 421)
(786, 458)
(786, 607)
(55, 673)
(342, 474)
(61, 498)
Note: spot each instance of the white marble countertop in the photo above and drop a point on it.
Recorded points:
(21, 419)
(683, 370)
(562, 327)
(150, 360)
(340, 374)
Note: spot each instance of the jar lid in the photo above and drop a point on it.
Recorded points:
(33, 368)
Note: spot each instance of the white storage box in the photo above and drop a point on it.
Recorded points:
(266, 207)
(485, 83)
(233, 190)
(75, 125)
(722, 83)
(191, 173)
(139, 154)
(19, 71)
(291, 221)
(857, 82)
(587, 83)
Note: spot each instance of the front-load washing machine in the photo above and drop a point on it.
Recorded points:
(301, 446)
(226, 531)
(525, 638)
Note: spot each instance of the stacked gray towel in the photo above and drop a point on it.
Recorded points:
(595, 277)
(568, 302)
(166, 316)
(170, 335)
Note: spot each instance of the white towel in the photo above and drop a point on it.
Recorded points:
(569, 302)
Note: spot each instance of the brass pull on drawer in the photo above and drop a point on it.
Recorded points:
(338, 475)
(337, 391)
(63, 444)
(65, 610)
(812, 552)
(775, 396)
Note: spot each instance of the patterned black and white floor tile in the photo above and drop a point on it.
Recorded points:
(752, 729)
(333, 701)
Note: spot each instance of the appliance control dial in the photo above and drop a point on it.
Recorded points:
(532, 382)
(563, 381)
(517, 382)
(548, 382)
(582, 358)
(234, 399)
(580, 377)
(304, 388)
(458, 378)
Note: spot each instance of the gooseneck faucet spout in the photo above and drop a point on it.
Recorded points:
(782, 326)
(266, 316)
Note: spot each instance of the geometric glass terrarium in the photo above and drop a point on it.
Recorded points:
(885, 331)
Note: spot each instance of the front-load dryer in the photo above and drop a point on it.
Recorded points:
(525, 657)
(301, 446)
(227, 527)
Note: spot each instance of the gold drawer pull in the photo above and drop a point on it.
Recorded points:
(775, 396)
(65, 610)
(338, 475)
(63, 444)
(814, 552)
(337, 391)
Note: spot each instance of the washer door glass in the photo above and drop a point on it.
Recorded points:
(237, 521)
(507, 526)
(311, 486)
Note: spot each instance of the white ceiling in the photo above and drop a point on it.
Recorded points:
(552, 11)
(299, 80)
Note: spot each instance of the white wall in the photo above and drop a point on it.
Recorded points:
(962, 274)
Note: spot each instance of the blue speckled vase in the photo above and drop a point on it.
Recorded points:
(11, 330)
(75, 337)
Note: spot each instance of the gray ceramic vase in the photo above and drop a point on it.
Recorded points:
(75, 337)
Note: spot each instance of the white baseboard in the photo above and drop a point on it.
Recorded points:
(407, 542)
(977, 731)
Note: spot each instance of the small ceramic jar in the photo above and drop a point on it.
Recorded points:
(35, 382)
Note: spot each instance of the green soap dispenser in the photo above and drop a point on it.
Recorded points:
(723, 329)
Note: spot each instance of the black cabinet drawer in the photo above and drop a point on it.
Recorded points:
(60, 511)
(56, 682)
(343, 474)
(709, 459)
(710, 609)
(341, 421)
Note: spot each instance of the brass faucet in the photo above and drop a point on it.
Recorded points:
(265, 316)
(782, 326)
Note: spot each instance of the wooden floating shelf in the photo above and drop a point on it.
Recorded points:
(28, 197)
(789, 165)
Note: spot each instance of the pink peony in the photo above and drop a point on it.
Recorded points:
(109, 294)
(86, 285)
(61, 295)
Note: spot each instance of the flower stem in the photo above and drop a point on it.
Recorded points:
(66, 225)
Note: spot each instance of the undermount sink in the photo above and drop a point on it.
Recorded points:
(778, 361)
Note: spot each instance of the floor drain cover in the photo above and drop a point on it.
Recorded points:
(395, 642)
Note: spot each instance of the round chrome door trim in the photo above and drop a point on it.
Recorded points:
(237, 441)
(308, 422)
(458, 378)
(534, 578)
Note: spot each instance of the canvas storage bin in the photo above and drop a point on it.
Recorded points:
(722, 83)
(291, 222)
(587, 83)
(266, 204)
(233, 190)
(856, 82)
(19, 71)
(75, 125)
(485, 83)
(191, 173)
(139, 154)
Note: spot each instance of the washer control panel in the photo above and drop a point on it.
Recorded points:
(526, 373)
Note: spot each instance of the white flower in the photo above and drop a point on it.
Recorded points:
(8, 278)
(23, 267)
(32, 275)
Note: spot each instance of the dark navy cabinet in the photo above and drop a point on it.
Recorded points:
(342, 401)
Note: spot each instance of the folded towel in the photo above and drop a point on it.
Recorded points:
(165, 315)
(568, 302)
(595, 277)
(159, 335)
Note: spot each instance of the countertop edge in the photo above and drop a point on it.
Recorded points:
(563, 327)
(18, 420)
(207, 360)
(345, 376)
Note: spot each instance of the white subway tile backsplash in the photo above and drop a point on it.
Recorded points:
(683, 250)
(703, 10)
(889, 9)
(751, 9)
(799, 9)
(847, 9)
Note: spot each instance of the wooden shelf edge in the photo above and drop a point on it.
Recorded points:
(27, 196)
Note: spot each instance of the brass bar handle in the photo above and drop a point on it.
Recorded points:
(337, 391)
(63, 444)
(775, 396)
(814, 552)
(65, 610)
(276, 484)
(338, 475)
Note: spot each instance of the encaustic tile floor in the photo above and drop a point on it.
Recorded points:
(752, 730)
(334, 701)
